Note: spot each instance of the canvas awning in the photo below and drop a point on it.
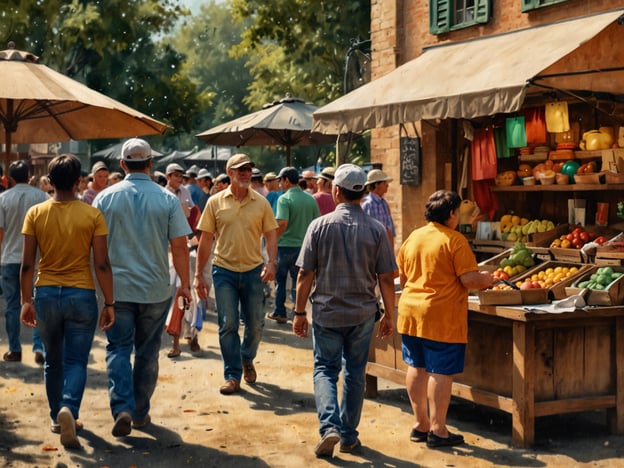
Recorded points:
(486, 76)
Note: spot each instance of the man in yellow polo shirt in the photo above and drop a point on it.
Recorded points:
(236, 219)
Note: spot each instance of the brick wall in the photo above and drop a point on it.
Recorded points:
(399, 31)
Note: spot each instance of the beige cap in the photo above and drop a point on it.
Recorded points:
(327, 173)
(270, 177)
(377, 175)
(238, 160)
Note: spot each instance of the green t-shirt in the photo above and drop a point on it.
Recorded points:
(299, 209)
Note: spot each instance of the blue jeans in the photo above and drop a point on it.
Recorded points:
(286, 258)
(336, 348)
(231, 290)
(11, 291)
(66, 319)
(138, 328)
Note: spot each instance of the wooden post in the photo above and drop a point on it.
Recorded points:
(523, 385)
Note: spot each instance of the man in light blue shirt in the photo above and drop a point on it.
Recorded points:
(144, 220)
(14, 203)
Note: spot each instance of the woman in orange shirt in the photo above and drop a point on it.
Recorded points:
(437, 269)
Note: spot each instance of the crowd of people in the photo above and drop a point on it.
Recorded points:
(136, 247)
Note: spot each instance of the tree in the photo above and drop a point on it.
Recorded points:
(220, 79)
(111, 46)
(299, 46)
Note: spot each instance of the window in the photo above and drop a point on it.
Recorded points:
(447, 15)
(464, 11)
(528, 5)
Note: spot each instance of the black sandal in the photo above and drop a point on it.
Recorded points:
(418, 436)
(436, 441)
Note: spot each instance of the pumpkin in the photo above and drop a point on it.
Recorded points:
(505, 178)
(524, 170)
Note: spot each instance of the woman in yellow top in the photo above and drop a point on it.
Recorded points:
(65, 230)
(437, 269)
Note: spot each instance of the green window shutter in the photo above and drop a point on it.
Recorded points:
(482, 11)
(528, 5)
(440, 16)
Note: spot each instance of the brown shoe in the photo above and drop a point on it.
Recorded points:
(194, 344)
(249, 372)
(350, 448)
(67, 422)
(278, 318)
(122, 425)
(142, 423)
(229, 387)
(39, 359)
(12, 356)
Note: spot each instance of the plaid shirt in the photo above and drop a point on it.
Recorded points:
(347, 250)
(378, 208)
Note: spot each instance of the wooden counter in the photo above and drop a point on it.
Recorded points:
(530, 365)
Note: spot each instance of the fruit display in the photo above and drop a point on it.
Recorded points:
(587, 168)
(577, 239)
(547, 277)
(517, 229)
(600, 280)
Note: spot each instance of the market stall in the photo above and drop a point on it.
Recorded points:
(531, 364)
(529, 126)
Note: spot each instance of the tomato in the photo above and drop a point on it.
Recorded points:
(578, 230)
(600, 240)
(570, 237)
(577, 243)
(584, 236)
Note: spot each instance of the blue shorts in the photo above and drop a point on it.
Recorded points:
(435, 357)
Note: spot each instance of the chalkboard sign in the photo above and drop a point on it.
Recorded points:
(410, 158)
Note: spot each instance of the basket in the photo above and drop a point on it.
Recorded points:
(593, 178)
(614, 177)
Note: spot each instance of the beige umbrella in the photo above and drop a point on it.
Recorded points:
(287, 123)
(40, 105)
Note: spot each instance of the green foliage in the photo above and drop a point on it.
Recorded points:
(221, 80)
(197, 72)
(299, 46)
(111, 46)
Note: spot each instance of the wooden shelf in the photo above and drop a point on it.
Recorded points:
(557, 188)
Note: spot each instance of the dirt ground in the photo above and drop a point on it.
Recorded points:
(272, 423)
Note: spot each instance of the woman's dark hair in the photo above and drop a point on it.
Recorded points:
(64, 171)
(440, 205)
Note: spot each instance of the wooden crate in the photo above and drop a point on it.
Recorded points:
(612, 295)
(576, 255)
(513, 297)
(557, 290)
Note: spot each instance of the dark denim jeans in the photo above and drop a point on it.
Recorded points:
(336, 348)
(66, 319)
(138, 328)
(232, 290)
(286, 258)
(11, 292)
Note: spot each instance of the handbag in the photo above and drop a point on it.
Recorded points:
(410, 156)
(174, 325)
